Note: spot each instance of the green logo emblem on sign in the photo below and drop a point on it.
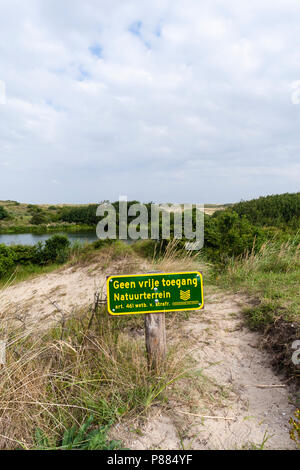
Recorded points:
(154, 293)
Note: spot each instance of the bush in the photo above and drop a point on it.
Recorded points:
(38, 219)
(34, 209)
(227, 235)
(3, 213)
(279, 210)
(7, 260)
(24, 254)
(56, 250)
(85, 215)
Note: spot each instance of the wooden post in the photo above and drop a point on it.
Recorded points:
(155, 331)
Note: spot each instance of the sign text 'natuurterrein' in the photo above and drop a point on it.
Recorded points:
(154, 293)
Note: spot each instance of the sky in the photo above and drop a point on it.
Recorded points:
(163, 100)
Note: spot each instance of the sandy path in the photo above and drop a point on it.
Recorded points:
(230, 353)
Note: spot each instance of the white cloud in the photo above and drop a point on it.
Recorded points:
(161, 100)
(2, 92)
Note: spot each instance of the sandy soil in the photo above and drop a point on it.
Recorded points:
(222, 345)
(256, 416)
(45, 298)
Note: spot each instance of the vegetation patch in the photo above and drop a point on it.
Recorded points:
(272, 277)
(64, 388)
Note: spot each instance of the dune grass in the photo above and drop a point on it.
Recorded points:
(26, 272)
(67, 386)
(273, 276)
(85, 366)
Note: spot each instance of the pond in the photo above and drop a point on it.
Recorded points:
(34, 238)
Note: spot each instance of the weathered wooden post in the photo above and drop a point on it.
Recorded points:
(155, 332)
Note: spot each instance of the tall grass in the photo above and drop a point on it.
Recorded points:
(85, 366)
(26, 272)
(177, 258)
(272, 275)
(88, 365)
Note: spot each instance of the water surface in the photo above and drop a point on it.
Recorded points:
(34, 238)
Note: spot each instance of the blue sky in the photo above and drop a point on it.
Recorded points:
(167, 101)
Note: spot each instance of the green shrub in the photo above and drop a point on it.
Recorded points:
(56, 249)
(261, 316)
(38, 219)
(227, 235)
(24, 254)
(34, 209)
(280, 210)
(7, 260)
(82, 438)
(3, 213)
(80, 214)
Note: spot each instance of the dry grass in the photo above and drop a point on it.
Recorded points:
(175, 259)
(85, 366)
(88, 364)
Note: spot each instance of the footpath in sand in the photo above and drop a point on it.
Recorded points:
(257, 407)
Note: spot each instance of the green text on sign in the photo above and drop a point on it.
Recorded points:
(151, 293)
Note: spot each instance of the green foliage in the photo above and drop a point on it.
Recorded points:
(245, 226)
(227, 235)
(24, 254)
(7, 260)
(38, 219)
(87, 214)
(24, 272)
(42, 216)
(55, 250)
(261, 316)
(3, 213)
(34, 209)
(277, 210)
(272, 275)
(82, 438)
(80, 214)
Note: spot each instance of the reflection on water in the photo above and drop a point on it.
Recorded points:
(34, 238)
